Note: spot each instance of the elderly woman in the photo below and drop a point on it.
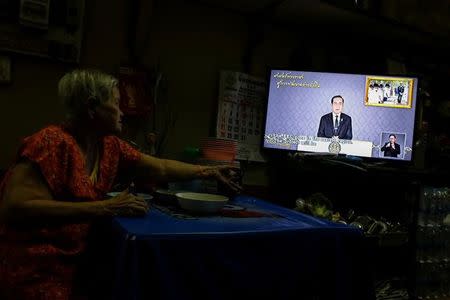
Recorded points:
(58, 182)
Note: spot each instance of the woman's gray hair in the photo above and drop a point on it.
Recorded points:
(77, 88)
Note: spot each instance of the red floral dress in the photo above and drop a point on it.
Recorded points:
(39, 262)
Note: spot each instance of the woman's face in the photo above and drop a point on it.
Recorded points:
(109, 115)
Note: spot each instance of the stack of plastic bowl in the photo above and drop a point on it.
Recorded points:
(216, 149)
(213, 152)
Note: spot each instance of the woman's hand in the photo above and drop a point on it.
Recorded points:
(127, 204)
(228, 176)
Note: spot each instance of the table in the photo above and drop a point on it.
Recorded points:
(281, 255)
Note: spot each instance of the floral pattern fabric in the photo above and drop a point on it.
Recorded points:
(39, 262)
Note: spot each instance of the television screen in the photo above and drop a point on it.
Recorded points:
(359, 115)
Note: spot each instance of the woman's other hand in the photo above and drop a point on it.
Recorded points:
(127, 205)
(229, 176)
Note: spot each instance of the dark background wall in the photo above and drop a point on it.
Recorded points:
(30, 101)
(189, 42)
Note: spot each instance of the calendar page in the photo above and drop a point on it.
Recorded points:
(240, 112)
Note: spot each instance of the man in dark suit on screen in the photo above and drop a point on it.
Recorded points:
(336, 123)
(400, 91)
(391, 148)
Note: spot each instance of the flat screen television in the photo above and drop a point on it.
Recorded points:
(360, 115)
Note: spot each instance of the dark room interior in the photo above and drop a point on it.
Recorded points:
(185, 74)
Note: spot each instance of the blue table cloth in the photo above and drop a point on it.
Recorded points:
(282, 255)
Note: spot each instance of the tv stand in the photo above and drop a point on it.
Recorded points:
(384, 190)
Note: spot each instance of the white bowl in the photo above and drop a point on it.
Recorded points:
(201, 202)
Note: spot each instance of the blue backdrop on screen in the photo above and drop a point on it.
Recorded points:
(297, 101)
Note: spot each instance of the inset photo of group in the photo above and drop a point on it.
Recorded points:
(389, 92)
